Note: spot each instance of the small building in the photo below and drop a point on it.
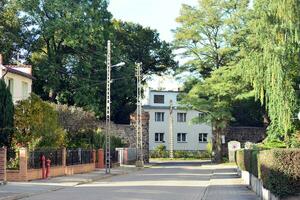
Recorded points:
(187, 136)
(18, 78)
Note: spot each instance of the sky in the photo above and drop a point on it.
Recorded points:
(156, 14)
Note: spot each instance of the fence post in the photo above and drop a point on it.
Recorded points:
(23, 163)
(64, 157)
(100, 163)
(3, 152)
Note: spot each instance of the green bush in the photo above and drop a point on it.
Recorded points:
(279, 170)
(253, 162)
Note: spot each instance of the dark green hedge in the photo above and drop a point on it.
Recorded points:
(279, 170)
(243, 159)
(246, 160)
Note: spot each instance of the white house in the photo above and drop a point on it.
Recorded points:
(18, 78)
(186, 135)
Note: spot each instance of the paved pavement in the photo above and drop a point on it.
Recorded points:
(20, 190)
(163, 181)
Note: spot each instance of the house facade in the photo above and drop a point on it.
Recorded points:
(18, 78)
(186, 135)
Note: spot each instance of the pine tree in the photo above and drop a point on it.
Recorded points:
(6, 115)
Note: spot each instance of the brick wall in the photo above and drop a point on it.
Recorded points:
(3, 165)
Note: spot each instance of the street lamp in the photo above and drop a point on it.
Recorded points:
(108, 102)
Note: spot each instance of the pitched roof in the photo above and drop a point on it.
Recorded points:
(14, 71)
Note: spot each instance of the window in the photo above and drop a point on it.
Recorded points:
(159, 116)
(24, 89)
(181, 137)
(159, 137)
(11, 85)
(159, 98)
(181, 117)
(202, 137)
(201, 115)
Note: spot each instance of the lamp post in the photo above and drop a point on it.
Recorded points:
(108, 102)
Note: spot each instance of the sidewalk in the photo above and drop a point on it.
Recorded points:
(226, 184)
(18, 190)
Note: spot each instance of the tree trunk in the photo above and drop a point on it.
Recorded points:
(217, 145)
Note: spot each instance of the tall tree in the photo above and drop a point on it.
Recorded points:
(69, 54)
(209, 34)
(6, 115)
(11, 40)
(272, 61)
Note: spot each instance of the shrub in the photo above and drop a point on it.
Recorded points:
(36, 124)
(279, 170)
(243, 159)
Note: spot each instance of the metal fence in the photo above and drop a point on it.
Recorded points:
(79, 156)
(35, 157)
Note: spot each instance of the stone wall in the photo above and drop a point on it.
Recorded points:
(243, 135)
(127, 132)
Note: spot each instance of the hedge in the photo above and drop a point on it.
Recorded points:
(243, 159)
(279, 170)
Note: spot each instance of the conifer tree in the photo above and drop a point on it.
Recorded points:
(6, 115)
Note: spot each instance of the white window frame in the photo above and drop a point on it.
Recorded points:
(159, 116)
(202, 137)
(180, 137)
(159, 137)
(181, 117)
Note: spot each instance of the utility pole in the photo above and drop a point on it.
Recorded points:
(108, 126)
(171, 139)
(139, 126)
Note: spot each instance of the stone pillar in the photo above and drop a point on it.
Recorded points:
(145, 125)
(23, 163)
(100, 163)
(3, 153)
(64, 157)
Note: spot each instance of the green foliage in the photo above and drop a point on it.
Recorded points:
(271, 60)
(6, 115)
(246, 160)
(208, 33)
(68, 53)
(36, 124)
(279, 171)
(11, 40)
(209, 148)
(159, 152)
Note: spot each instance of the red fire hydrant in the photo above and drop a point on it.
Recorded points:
(48, 163)
(43, 161)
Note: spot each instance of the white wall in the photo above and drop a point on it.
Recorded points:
(192, 130)
(168, 96)
(18, 80)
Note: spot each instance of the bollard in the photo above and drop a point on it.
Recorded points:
(43, 162)
(48, 163)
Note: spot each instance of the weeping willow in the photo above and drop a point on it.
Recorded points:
(272, 60)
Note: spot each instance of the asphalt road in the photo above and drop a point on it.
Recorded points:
(165, 181)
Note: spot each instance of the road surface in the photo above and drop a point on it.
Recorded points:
(164, 181)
